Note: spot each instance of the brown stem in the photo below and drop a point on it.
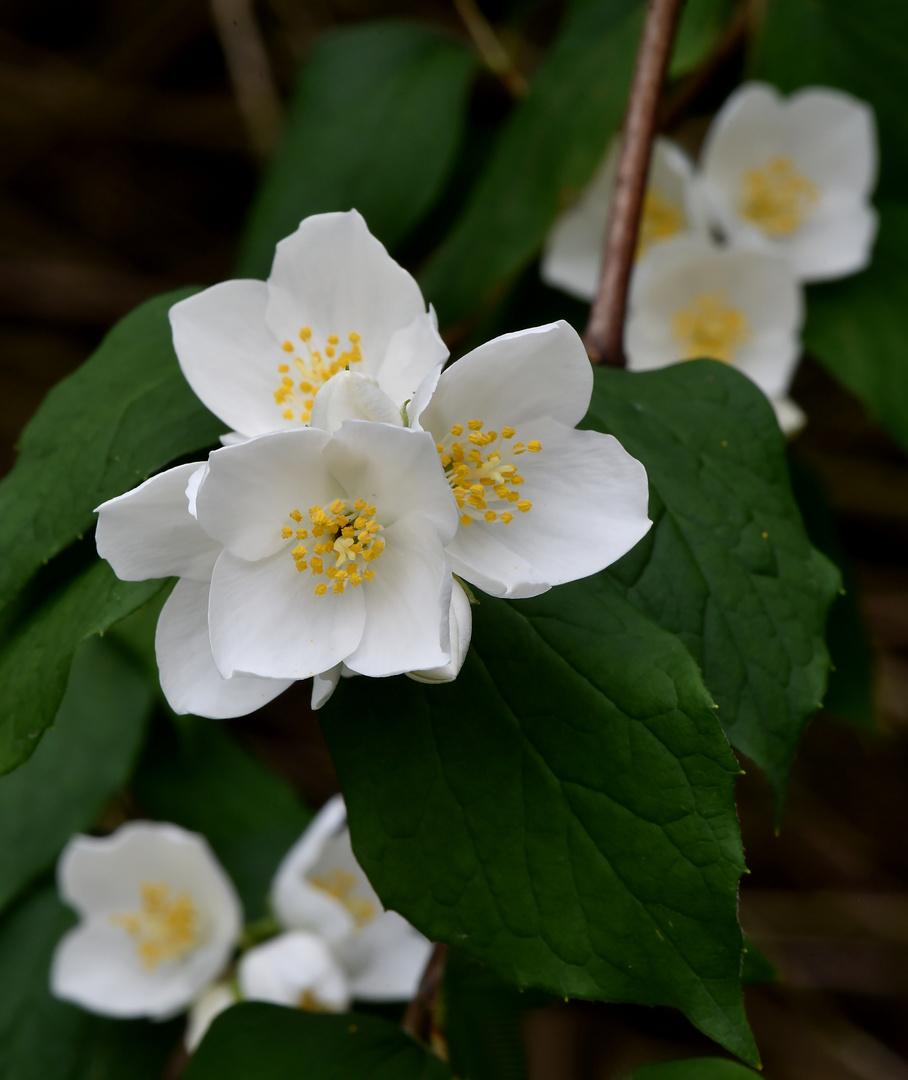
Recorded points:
(603, 336)
(417, 1019)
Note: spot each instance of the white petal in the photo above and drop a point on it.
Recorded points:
(386, 960)
(349, 396)
(149, 532)
(189, 677)
(323, 686)
(290, 967)
(251, 489)
(229, 356)
(212, 1002)
(835, 243)
(265, 619)
(543, 371)
(578, 475)
(332, 275)
(407, 602)
(835, 137)
(396, 469)
(415, 353)
(461, 629)
(790, 415)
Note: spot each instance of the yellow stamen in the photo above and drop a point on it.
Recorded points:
(710, 327)
(659, 220)
(777, 198)
(164, 928)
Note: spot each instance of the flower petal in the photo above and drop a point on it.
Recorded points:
(572, 530)
(407, 603)
(229, 356)
(415, 353)
(333, 276)
(295, 969)
(265, 619)
(304, 854)
(349, 396)
(149, 532)
(543, 371)
(189, 677)
(385, 961)
(836, 139)
(211, 1003)
(252, 488)
(460, 623)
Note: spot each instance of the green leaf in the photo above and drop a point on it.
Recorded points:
(543, 158)
(125, 413)
(374, 125)
(856, 327)
(197, 776)
(268, 1041)
(81, 763)
(35, 656)
(861, 48)
(756, 967)
(563, 811)
(42, 1038)
(699, 29)
(727, 565)
(710, 1068)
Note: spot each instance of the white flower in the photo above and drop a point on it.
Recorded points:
(461, 628)
(258, 352)
(303, 550)
(573, 250)
(160, 919)
(321, 888)
(691, 299)
(209, 1004)
(296, 969)
(794, 177)
(539, 502)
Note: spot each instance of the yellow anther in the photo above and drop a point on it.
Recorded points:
(306, 387)
(165, 928)
(287, 381)
(301, 534)
(321, 589)
(524, 505)
(287, 414)
(659, 220)
(354, 337)
(534, 446)
(457, 430)
(296, 515)
(508, 432)
(305, 333)
(286, 532)
(283, 369)
(507, 517)
(516, 480)
(518, 448)
(318, 567)
(368, 574)
(710, 327)
(338, 588)
(337, 506)
(333, 339)
(302, 565)
(777, 198)
(512, 496)
(287, 347)
(299, 552)
(329, 352)
(474, 425)
(466, 520)
(490, 515)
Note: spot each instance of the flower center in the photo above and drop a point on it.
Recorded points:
(164, 928)
(340, 884)
(484, 485)
(346, 534)
(710, 327)
(659, 220)
(296, 395)
(776, 198)
(308, 1002)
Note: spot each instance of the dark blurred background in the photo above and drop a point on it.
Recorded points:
(131, 139)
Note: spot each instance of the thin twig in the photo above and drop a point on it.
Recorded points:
(603, 336)
(493, 53)
(417, 1019)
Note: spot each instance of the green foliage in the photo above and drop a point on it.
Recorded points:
(196, 775)
(699, 28)
(563, 811)
(125, 413)
(374, 124)
(42, 1038)
(710, 1068)
(727, 565)
(78, 767)
(253, 1040)
(36, 654)
(542, 159)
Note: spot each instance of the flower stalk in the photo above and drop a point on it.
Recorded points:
(603, 335)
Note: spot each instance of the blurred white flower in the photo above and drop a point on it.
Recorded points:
(321, 888)
(209, 1004)
(159, 921)
(257, 353)
(573, 250)
(690, 299)
(296, 551)
(503, 419)
(794, 176)
(296, 969)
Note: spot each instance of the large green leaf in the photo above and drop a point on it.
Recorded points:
(858, 327)
(544, 157)
(124, 414)
(42, 1038)
(861, 48)
(563, 811)
(37, 651)
(274, 1043)
(196, 775)
(374, 125)
(711, 1068)
(727, 565)
(78, 767)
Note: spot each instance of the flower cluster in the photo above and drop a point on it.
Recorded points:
(358, 479)
(781, 197)
(161, 922)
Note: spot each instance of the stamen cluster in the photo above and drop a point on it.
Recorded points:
(164, 928)
(349, 536)
(478, 477)
(777, 198)
(316, 369)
